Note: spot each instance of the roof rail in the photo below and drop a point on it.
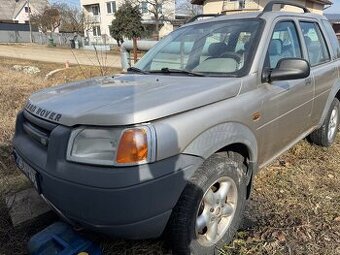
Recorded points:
(203, 16)
(270, 5)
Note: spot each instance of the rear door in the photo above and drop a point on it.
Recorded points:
(323, 65)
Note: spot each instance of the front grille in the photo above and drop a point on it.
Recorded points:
(38, 129)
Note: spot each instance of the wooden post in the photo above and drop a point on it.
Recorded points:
(134, 50)
(29, 20)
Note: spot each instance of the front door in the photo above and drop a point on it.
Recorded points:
(287, 105)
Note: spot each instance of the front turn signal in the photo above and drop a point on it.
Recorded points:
(133, 147)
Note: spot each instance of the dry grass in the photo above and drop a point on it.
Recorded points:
(294, 209)
(295, 206)
(15, 88)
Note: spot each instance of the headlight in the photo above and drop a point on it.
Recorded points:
(111, 146)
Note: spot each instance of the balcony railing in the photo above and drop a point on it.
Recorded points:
(247, 5)
(93, 19)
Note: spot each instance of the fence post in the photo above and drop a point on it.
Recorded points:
(127, 46)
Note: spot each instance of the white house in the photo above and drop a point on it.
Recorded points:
(100, 14)
(17, 11)
(232, 6)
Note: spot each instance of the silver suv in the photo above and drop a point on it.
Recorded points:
(174, 144)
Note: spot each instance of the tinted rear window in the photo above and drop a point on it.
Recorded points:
(332, 37)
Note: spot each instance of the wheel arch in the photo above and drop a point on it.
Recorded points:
(334, 93)
(240, 148)
(221, 136)
(251, 167)
(338, 95)
(230, 136)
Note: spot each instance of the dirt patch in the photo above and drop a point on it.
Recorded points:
(294, 208)
(59, 55)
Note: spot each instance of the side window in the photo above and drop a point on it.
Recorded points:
(284, 44)
(315, 42)
(332, 37)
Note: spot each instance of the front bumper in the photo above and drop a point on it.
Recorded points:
(130, 202)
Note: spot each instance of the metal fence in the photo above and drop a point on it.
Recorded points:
(14, 27)
(61, 39)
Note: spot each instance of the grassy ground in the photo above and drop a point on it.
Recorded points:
(294, 209)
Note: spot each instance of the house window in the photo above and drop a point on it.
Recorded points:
(96, 31)
(95, 10)
(241, 3)
(144, 7)
(27, 8)
(111, 7)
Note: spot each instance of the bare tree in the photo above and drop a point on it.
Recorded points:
(47, 21)
(191, 10)
(89, 22)
(72, 18)
(160, 10)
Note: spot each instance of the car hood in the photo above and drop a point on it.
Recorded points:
(128, 99)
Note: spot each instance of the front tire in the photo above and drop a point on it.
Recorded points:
(210, 208)
(325, 136)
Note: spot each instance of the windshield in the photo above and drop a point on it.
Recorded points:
(221, 48)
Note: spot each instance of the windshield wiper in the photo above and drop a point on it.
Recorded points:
(169, 70)
(136, 70)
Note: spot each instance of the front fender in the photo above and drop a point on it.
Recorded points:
(220, 136)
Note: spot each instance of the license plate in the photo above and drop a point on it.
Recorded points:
(31, 174)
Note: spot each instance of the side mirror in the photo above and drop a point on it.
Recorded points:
(290, 69)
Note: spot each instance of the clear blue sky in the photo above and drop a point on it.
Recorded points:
(334, 9)
(70, 2)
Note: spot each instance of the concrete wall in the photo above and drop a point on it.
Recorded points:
(7, 36)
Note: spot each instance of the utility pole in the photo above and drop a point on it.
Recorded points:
(29, 20)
